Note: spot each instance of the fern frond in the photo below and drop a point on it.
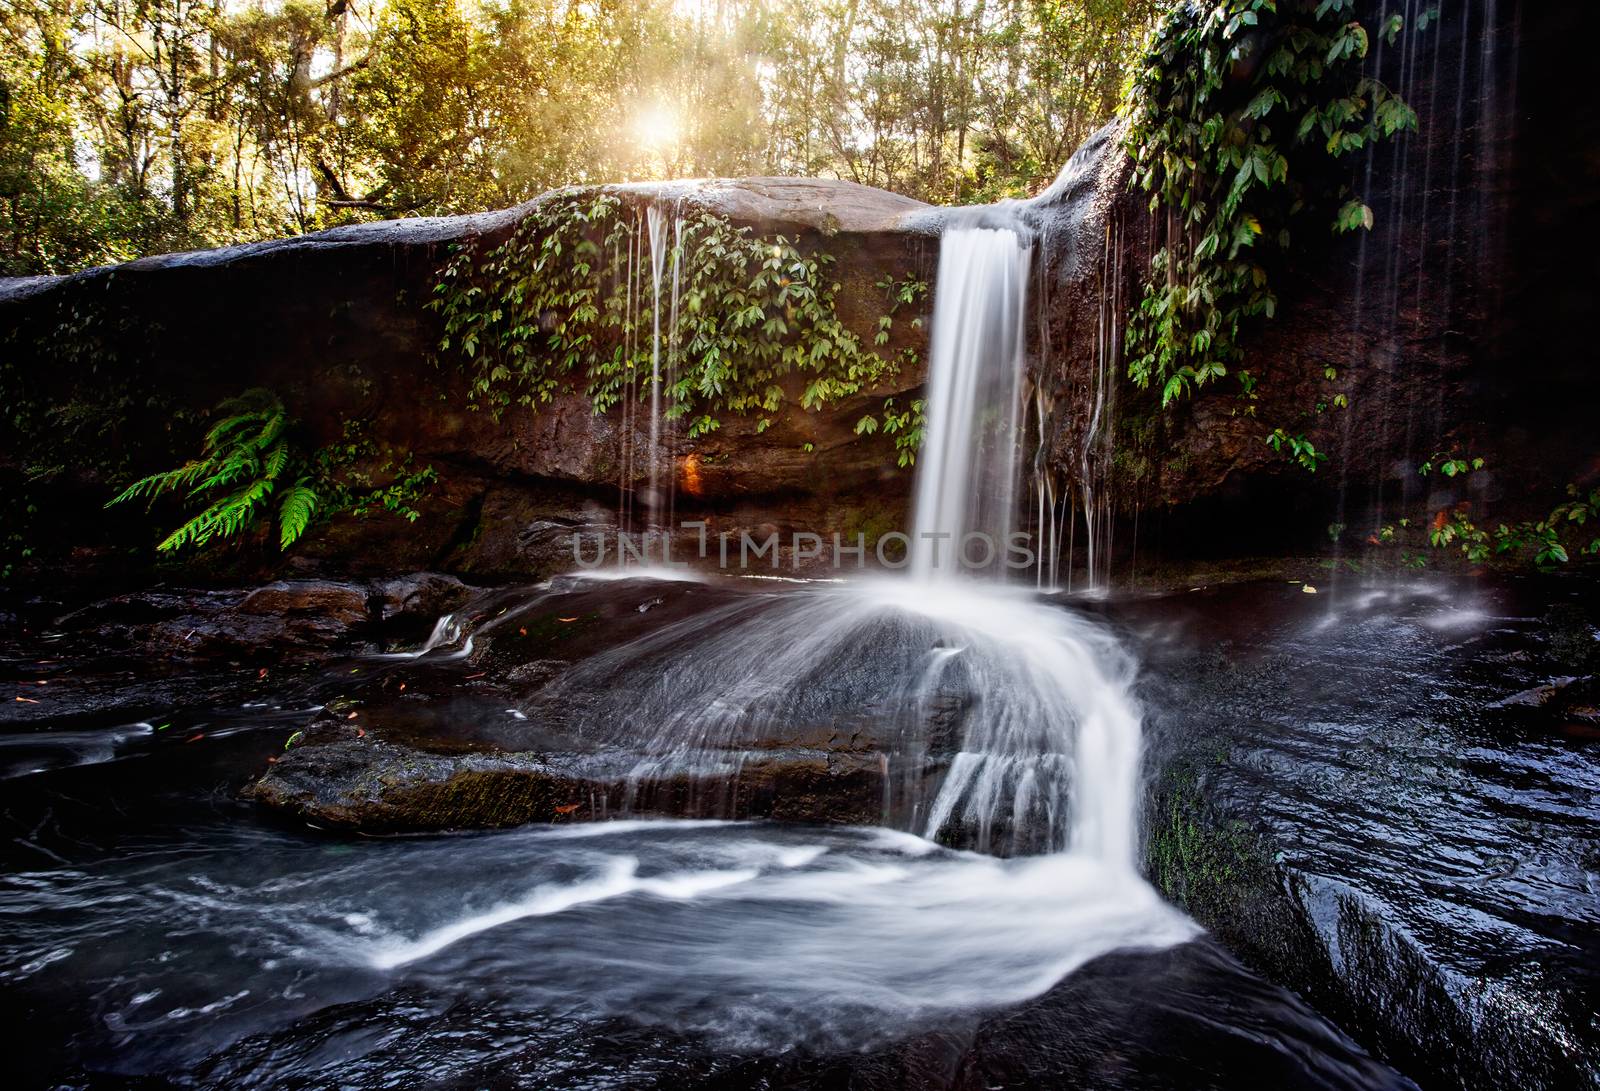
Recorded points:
(196, 531)
(295, 512)
(222, 519)
(226, 432)
(156, 484)
(238, 463)
(255, 418)
(276, 460)
(271, 430)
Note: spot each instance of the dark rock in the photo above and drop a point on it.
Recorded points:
(342, 775)
(1346, 797)
(423, 595)
(337, 601)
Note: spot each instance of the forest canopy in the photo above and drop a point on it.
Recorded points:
(130, 127)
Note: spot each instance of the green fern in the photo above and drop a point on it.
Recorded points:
(249, 457)
(246, 453)
(295, 512)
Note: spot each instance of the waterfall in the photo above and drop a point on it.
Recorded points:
(1055, 724)
(967, 472)
(1000, 721)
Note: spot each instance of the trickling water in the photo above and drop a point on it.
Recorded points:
(966, 479)
(656, 223)
(1096, 446)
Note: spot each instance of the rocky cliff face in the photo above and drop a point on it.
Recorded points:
(1452, 326)
(336, 323)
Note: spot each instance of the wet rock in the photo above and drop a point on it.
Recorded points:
(349, 776)
(1354, 799)
(286, 617)
(310, 612)
(424, 595)
(143, 653)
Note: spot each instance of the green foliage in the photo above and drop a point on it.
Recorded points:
(906, 426)
(568, 299)
(1571, 528)
(242, 459)
(249, 455)
(1545, 540)
(132, 127)
(1450, 465)
(1239, 122)
(1302, 450)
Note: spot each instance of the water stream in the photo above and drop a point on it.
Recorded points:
(246, 954)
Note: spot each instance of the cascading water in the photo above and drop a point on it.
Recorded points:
(656, 224)
(998, 721)
(1025, 706)
(966, 480)
(662, 252)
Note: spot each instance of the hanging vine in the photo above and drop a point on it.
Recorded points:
(1239, 124)
(567, 299)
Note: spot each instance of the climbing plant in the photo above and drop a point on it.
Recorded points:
(1241, 122)
(569, 298)
(252, 470)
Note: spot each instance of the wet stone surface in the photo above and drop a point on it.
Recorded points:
(1388, 797)
(1383, 797)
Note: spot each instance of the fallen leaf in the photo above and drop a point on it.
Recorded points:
(361, 733)
(480, 674)
(402, 686)
(196, 737)
(1308, 589)
(262, 673)
(566, 619)
(352, 715)
(568, 809)
(27, 700)
(522, 632)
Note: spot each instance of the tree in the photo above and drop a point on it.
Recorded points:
(133, 126)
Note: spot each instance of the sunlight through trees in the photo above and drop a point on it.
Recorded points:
(136, 126)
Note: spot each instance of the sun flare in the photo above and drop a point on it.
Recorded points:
(656, 128)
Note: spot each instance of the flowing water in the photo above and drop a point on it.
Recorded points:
(207, 942)
(967, 472)
(196, 937)
(1048, 737)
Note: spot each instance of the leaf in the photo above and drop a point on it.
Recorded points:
(295, 512)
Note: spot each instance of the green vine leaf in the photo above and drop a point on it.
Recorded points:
(1210, 118)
